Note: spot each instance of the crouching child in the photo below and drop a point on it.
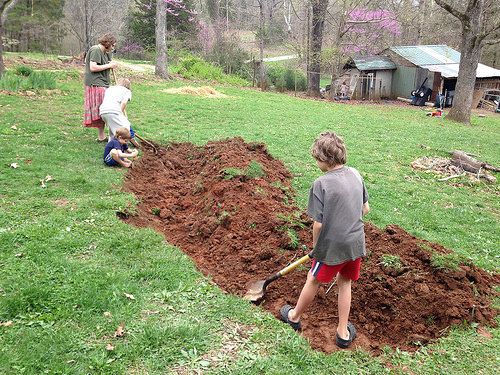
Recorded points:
(116, 152)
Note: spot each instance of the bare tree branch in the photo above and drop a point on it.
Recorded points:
(450, 9)
(5, 7)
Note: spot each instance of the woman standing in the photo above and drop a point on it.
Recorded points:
(96, 79)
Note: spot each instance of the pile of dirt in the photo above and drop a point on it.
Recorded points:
(230, 207)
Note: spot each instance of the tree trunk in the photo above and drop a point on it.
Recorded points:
(218, 29)
(469, 58)
(470, 49)
(5, 7)
(318, 21)
(161, 60)
(88, 38)
(261, 45)
(2, 66)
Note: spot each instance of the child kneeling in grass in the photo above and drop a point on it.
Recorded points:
(337, 202)
(116, 152)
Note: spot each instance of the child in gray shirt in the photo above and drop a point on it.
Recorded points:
(337, 202)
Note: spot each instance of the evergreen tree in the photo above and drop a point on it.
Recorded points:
(35, 25)
(141, 22)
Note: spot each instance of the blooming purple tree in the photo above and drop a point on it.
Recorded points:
(131, 48)
(366, 32)
(360, 31)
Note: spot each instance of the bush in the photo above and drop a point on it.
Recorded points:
(197, 68)
(284, 79)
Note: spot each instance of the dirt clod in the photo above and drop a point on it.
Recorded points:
(239, 229)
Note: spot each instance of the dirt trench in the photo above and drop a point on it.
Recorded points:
(230, 207)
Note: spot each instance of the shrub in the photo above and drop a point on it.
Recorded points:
(446, 262)
(284, 79)
(229, 173)
(294, 241)
(197, 68)
(295, 80)
(389, 260)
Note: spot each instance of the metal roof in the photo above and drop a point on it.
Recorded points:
(373, 62)
(442, 59)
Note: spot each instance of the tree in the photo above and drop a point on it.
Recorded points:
(475, 34)
(161, 60)
(5, 7)
(141, 19)
(174, 7)
(319, 8)
(35, 25)
(261, 44)
(90, 19)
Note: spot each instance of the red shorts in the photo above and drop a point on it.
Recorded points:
(326, 273)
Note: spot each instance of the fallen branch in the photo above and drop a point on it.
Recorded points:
(450, 177)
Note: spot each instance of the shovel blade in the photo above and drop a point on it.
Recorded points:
(255, 292)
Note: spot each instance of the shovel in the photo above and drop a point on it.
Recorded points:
(258, 288)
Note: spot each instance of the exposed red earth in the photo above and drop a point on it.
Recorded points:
(237, 230)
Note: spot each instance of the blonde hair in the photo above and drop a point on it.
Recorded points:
(329, 148)
(123, 82)
(123, 133)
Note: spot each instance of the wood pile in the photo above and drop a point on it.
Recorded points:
(460, 164)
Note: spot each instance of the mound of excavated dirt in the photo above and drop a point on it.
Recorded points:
(240, 228)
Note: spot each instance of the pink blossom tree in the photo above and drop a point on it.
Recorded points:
(360, 31)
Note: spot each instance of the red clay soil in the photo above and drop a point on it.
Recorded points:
(237, 229)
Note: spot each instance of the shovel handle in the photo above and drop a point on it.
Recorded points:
(114, 76)
(287, 269)
(295, 264)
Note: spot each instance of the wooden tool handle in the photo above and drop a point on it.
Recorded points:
(295, 264)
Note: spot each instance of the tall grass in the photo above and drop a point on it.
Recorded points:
(43, 80)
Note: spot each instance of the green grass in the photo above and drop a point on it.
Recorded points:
(66, 260)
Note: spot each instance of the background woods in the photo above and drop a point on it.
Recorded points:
(220, 28)
(323, 34)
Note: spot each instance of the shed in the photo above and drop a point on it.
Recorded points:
(370, 76)
(439, 64)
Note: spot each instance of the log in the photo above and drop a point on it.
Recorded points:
(469, 164)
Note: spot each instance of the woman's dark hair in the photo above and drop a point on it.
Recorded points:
(107, 40)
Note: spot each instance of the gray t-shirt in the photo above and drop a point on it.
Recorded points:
(336, 200)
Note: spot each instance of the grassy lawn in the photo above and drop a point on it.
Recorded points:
(71, 272)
